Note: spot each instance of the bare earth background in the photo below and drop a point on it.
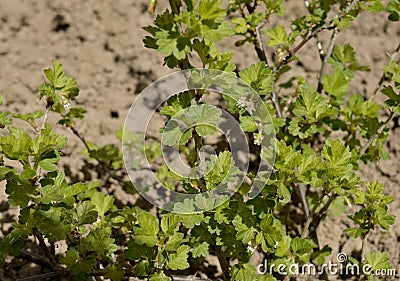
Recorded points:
(100, 43)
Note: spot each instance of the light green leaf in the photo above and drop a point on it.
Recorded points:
(174, 241)
(115, 272)
(259, 77)
(141, 268)
(169, 223)
(100, 242)
(336, 84)
(169, 43)
(159, 276)
(244, 272)
(283, 248)
(178, 260)
(336, 153)
(5, 119)
(277, 36)
(190, 220)
(247, 124)
(344, 54)
(48, 164)
(148, 230)
(302, 245)
(102, 202)
(200, 250)
(211, 9)
(204, 114)
(204, 203)
(30, 117)
(86, 212)
(378, 260)
(74, 189)
(185, 207)
(206, 130)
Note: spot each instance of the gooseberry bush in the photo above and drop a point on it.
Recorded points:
(318, 136)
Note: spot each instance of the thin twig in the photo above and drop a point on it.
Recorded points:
(326, 206)
(44, 247)
(363, 246)
(276, 104)
(45, 117)
(259, 46)
(187, 278)
(378, 132)
(302, 192)
(287, 105)
(330, 25)
(43, 276)
(311, 215)
(82, 138)
(326, 57)
(101, 163)
(223, 263)
(350, 7)
(102, 273)
(38, 259)
(382, 79)
(319, 43)
(39, 169)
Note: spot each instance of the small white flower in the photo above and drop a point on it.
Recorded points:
(250, 249)
(67, 106)
(257, 138)
(241, 102)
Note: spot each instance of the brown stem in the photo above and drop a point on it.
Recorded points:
(382, 79)
(350, 7)
(326, 206)
(302, 192)
(275, 102)
(311, 215)
(326, 57)
(378, 132)
(44, 247)
(39, 169)
(85, 143)
(261, 53)
(224, 265)
(363, 247)
(330, 25)
(319, 43)
(45, 276)
(37, 259)
(187, 278)
(259, 46)
(287, 105)
(82, 138)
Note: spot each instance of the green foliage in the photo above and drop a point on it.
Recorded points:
(393, 7)
(374, 211)
(30, 117)
(259, 78)
(61, 88)
(322, 135)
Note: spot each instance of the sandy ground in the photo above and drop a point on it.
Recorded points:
(100, 43)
